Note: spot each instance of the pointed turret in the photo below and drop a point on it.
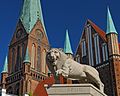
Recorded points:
(27, 57)
(67, 45)
(31, 12)
(5, 68)
(110, 24)
(111, 32)
(114, 54)
(4, 74)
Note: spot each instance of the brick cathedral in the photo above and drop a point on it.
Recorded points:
(25, 66)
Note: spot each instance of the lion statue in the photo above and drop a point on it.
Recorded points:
(59, 63)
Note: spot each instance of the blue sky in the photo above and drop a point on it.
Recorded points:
(59, 15)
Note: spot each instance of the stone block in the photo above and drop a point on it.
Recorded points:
(74, 90)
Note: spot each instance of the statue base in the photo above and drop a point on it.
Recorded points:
(74, 90)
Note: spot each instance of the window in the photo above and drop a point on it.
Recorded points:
(23, 52)
(83, 48)
(90, 49)
(23, 48)
(33, 56)
(13, 59)
(38, 58)
(43, 61)
(104, 51)
(18, 59)
(97, 48)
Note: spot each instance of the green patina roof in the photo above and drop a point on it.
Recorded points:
(5, 68)
(67, 45)
(27, 57)
(110, 24)
(30, 13)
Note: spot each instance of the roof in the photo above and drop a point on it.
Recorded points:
(5, 68)
(110, 24)
(101, 33)
(67, 45)
(27, 57)
(31, 12)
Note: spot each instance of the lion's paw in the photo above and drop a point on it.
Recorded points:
(58, 72)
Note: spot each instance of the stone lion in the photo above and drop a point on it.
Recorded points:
(59, 63)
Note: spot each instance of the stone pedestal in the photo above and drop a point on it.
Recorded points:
(3, 92)
(25, 95)
(74, 90)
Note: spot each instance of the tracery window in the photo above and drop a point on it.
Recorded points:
(105, 51)
(13, 59)
(97, 49)
(83, 48)
(33, 56)
(18, 58)
(38, 58)
(90, 46)
(43, 61)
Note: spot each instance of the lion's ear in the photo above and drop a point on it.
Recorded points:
(60, 49)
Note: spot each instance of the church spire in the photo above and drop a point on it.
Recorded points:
(110, 24)
(67, 45)
(5, 68)
(31, 12)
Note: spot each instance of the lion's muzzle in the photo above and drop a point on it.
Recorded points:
(50, 57)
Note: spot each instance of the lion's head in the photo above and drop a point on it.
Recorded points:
(53, 55)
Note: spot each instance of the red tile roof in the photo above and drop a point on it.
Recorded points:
(98, 30)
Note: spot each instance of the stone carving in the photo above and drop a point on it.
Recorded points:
(59, 63)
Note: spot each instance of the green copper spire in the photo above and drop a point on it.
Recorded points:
(5, 68)
(67, 45)
(31, 12)
(110, 24)
(27, 57)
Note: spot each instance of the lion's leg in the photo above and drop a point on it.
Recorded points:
(64, 73)
(95, 78)
(83, 74)
(58, 72)
(101, 86)
(99, 83)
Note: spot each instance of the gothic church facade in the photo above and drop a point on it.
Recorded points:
(101, 50)
(26, 64)
(27, 52)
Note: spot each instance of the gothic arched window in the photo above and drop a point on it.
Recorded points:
(43, 61)
(38, 58)
(23, 52)
(18, 58)
(33, 56)
(13, 59)
(97, 48)
(105, 51)
(83, 48)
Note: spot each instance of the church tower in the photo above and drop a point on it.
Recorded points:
(114, 55)
(27, 51)
(67, 46)
(4, 74)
